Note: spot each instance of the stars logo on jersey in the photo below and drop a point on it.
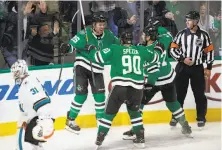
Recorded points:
(146, 64)
(199, 42)
(79, 88)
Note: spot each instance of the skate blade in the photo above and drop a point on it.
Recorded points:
(97, 147)
(125, 137)
(200, 128)
(173, 127)
(140, 145)
(71, 130)
(189, 136)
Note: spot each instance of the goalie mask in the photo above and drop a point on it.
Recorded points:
(19, 69)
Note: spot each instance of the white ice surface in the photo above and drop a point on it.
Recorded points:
(157, 136)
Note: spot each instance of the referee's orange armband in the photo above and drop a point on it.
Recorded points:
(174, 45)
(209, 48)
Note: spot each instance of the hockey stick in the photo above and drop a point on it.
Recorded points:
(84, 25)
(60, 73)
(62, 63)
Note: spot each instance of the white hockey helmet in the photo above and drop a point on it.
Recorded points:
(19, 69)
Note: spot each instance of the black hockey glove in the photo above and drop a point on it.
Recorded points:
(148, 87)
(89, 47)
(64, 48)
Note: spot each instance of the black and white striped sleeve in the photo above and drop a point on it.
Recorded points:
(175, 51)
(103, 55)
(208, 50)
(98, 57)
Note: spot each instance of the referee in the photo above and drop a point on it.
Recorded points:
(191, 48)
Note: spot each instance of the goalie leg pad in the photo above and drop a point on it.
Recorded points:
(39, 130)
(28, 132)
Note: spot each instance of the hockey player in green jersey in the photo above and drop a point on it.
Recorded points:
(98, 38)
(126, 73)
(163, 33)
(164, 80)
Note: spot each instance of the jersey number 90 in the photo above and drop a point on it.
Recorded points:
(131, 64)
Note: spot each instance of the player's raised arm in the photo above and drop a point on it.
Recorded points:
(77, 42)
(102, 56)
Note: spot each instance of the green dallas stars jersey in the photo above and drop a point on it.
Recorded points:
(166, 73)
(79, 42)
(126, 63)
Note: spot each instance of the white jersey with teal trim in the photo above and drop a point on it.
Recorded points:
(33, 99)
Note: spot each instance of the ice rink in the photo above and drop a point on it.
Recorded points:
(157, 136)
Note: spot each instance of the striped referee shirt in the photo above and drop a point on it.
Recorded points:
(197, 46)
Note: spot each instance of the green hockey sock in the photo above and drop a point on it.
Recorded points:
(141, 108)
(76, 105)
(136, 120)
(105, 123)
(99, 104)
(177, 111)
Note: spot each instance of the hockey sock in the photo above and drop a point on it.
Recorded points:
(177, 111)
(76, 106)
(99, 104)
(141, 108)
(136, 120)
(105, 123)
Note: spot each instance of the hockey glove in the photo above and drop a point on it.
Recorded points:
(148, 87)
(64, 48)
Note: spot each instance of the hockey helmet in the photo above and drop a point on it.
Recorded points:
(99, 17)
(194, 15)
(127, 37)
(151, 31)
(154, 21)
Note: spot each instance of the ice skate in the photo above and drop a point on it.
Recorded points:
(139, 141)
(173, 123)
(71, 125)
(201, 125)
(99, 140)
(129, 135)
(186, 130)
